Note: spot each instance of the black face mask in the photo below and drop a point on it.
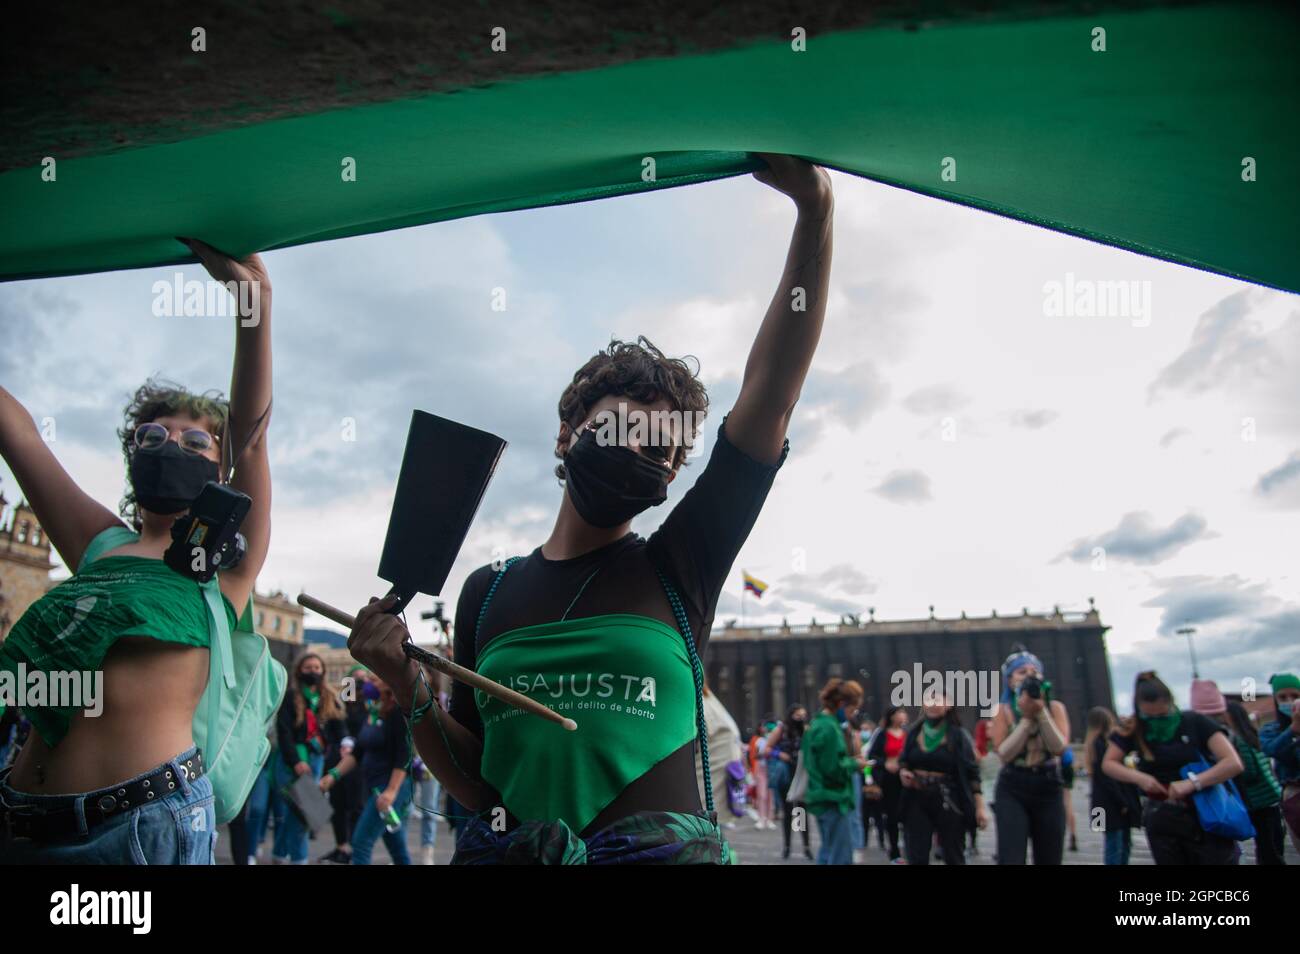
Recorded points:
(933, 721)
(609, 484)
(167, 479)
(309, 678)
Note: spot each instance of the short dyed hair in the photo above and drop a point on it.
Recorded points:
(636, 370)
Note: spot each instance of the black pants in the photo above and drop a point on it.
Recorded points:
(889, 809)
(240, 846)
(1177, 838)
(1270, 836)
(926, 814)
(346, 800)
(872, 811)
(1029, 807)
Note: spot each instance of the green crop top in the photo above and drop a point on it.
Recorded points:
(73, 626)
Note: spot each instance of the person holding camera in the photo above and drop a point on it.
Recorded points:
(941, 792)
(1280, 740)
(1030, 731)
(1166, 740)
(109, 788)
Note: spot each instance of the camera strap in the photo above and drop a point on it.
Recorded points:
(222, 656)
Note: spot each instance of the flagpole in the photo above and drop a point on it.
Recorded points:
(742, 600)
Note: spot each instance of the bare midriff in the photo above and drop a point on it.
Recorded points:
(151, 689)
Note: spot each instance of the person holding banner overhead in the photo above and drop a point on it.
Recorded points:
(603, 626)
(110, 789)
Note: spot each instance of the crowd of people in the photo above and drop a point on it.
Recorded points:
(920, 785)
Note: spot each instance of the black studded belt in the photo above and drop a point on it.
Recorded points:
(38, 824)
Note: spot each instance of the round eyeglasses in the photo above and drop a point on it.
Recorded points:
(152, 435)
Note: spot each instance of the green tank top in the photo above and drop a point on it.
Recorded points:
(627, 681)
(72, 627)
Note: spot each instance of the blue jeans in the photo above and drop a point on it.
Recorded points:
(427, 793)
(859, 830)
(290, 834)
(1119, 842)
(179, 828)
(259, 806)
(779, 777)
(836, 830)
(371, 825)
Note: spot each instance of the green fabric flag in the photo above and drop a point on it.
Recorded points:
(1177, 141)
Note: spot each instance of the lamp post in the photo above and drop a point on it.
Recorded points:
(1189, 632)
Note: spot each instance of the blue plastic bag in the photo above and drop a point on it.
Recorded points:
(1219, 807)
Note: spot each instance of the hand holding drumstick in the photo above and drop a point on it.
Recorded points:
(380, 641)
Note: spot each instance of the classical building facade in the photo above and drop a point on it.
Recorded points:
(25, 563)
(759, 672)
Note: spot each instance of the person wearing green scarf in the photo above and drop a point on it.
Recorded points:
(1280, 740)
(942, 793)
(308, 728)
(606, 627)
(1165, 740)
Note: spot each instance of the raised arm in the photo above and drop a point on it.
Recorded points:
(244, 447)
(68, 515)
(783, 350)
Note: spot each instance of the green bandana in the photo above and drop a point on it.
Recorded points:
(932, 738)
(1161, 729)
(625, 679)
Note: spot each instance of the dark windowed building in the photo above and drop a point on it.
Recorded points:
(758, 672)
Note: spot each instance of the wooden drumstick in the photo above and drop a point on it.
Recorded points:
(468, 676)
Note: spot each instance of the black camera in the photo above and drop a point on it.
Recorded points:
(207, 539)
(1036, 688)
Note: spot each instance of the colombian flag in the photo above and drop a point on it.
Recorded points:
(753, 584)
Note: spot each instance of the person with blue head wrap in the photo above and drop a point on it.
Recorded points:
(1030, 732)
(1016, 661)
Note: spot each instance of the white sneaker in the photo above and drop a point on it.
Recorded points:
(252, 859)
(426, 855)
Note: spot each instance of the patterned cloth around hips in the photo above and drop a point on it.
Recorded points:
(645, 838)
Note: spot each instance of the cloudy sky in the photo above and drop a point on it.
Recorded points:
(957, 444)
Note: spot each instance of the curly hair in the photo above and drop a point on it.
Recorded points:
(838, 691)
(158, 398)
(636, 370)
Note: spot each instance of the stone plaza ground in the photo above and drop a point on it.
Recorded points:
(764, 847)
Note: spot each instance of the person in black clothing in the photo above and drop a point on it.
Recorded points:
(383, 756)
(941, 786)
(1165, 740)
(1115, 806)
(361, 708)
(1031, 731)
(883, 753)
(782, 754)
(309, 724)
(594, 571)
